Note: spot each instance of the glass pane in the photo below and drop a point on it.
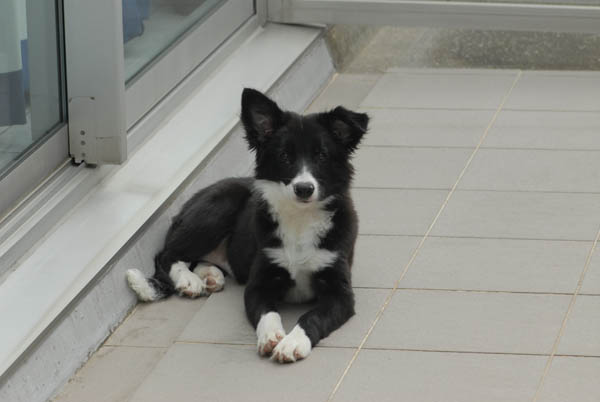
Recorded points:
(30, 84)
(151, 26)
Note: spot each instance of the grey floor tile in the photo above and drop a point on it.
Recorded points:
(156, 324)
(520, 215)
(351, 334)
(201, 372)
(582, 333)
(409, 167)
(222, 320)
(533, 170)
(427, 127)
(572, 379)
(380, 260)
(556, 91)
(470, 322)
(347, 90)
(498, 264)
(385, 375)
(111, 375)
(591, 282)
(393, 211)
(545, 130)
(439, 89)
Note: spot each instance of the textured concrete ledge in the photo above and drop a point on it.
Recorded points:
(460, 48)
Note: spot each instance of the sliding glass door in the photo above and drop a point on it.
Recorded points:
(31, 77)
(77, 75)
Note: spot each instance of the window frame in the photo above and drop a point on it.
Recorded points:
(122, 107)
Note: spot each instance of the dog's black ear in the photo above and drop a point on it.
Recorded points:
(347, 127)
(260, 115)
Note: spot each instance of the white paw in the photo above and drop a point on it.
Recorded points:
(212, 276)
(186, 282)
(269, 332)
(295, 346)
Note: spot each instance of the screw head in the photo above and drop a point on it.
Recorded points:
(82, 132)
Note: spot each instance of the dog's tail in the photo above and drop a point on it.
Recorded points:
(155, 288)
(148, 289)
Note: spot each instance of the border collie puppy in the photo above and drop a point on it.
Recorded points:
(288, 233)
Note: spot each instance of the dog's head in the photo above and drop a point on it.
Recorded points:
(307, 156)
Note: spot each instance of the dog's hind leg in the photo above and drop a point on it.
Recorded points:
(198, 233)
(213, 278)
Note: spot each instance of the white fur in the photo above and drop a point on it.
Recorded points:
(269, 332)
(186, 282)
(295, 346)
(206, 271)
(139, 284)
(300, 228)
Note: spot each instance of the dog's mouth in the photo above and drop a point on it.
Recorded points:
(304, 201)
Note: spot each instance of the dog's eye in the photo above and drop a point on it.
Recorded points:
(284, 157)
(320, 154)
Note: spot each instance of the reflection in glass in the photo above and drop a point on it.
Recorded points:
(30, 99)
(151, 26)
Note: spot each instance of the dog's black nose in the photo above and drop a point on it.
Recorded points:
(304, 190)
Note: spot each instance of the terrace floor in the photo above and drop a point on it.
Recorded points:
(476, 278)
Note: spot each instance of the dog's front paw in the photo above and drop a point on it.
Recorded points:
(295, 346)
(269, 332)
(186, 282)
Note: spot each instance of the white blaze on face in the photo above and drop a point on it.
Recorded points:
(306, 177)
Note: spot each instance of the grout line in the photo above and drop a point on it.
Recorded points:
(214, 343)
(387, 235)
(418, 248)
(495, 148)
(473, 190)
(451, 109)
(469, 352)
(566, 318)
(394, 349)
(112, 345)
(477, 237)
(568, 355)
(518, 292)
(401, 146)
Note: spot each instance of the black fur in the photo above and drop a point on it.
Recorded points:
(233, 209)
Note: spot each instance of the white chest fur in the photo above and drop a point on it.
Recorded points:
(300, 228)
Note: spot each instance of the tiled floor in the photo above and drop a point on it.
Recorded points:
(475, 277)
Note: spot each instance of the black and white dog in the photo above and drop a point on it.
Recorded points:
(288, 233)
